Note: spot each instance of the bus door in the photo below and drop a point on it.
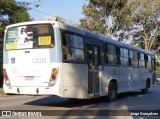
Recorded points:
(93, 53)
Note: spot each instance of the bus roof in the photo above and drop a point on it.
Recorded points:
(30, 22)
(102, 38)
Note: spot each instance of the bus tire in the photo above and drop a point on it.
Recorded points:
(146, 89)
(112, 91)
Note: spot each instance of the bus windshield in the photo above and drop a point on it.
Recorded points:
(29, 36)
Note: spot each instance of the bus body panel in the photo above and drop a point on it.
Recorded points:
(35, 86)
(129, 79)
(79, 92)
(31, 75)
(118, 73)
(75, 80)
(29, 90)
(29, 70)
(22, 65)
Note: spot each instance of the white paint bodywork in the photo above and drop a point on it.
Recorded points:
(72, 80)
(75, 80)
(41, 74)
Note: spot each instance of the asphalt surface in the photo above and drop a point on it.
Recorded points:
(126, 104)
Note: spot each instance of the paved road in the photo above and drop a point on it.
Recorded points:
(125, 101)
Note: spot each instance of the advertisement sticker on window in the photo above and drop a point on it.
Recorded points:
(10, 46)
(45, 40)
(11, 39)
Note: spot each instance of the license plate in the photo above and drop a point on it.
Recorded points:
(29, 78)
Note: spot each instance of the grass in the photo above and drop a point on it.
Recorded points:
(1, 91)
(158, 83)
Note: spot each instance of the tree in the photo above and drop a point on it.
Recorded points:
(138, 20)
(134, 20)
(145, 19)
(145, 22)
(10, 12)
(102, 17)
(93, 21)
(19, 16)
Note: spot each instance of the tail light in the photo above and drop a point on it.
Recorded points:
(54, 75)
(6, 78)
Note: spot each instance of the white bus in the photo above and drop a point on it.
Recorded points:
(52, 58)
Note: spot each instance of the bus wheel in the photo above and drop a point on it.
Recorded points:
(146, 89)
(112, 91)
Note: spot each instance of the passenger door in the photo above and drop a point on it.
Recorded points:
(93, 58)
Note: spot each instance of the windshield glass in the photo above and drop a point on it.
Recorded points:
(30, 36)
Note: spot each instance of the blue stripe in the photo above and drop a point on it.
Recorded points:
(56, 52)
(5, 57)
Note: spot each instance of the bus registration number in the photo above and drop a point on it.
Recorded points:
(29, 78)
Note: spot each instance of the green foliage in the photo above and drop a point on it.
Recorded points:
(10, 12)
(94, 21)
(1, 91)
(158, 70)
(138, 20)
(20, 15)
(1, 62)
(104, 17)
(145, 22)
(6, 6)
(158, 83)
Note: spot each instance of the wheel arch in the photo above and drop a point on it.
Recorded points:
(114, 81)
(149, 81)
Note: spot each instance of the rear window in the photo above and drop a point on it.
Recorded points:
(30, 36)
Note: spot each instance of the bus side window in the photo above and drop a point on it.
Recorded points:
(141, 60)
(111, 54)
(133, 58)
(124, 56)
(73, 47)
(153, 65)
(66, 51)
(103, 53)
(148, 61)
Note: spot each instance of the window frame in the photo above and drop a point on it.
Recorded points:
(148, 62)
(106, 61)
(72, 47)
(141, 60)
(52, 34)
(123, 56)
(133, 59)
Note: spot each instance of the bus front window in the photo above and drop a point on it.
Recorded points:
(29, 36)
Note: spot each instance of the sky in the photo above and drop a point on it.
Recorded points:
(68, 9)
